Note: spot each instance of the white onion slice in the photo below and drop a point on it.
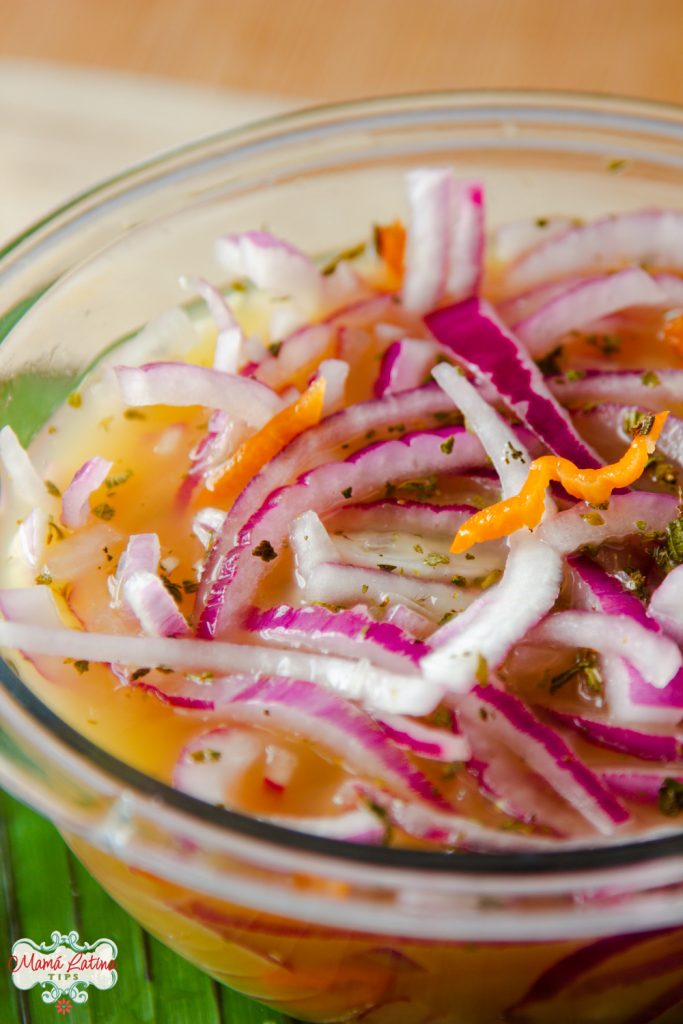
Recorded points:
(85, 481)
(480, 638)
(657, 658)
(184, 384)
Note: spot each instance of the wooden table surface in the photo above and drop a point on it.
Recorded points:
(330, 49)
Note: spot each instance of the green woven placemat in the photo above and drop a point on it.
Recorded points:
(44, 888)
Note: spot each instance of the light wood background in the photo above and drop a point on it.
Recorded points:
(331, 49)
(88, 87)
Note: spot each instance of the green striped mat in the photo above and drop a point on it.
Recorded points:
(44, 888)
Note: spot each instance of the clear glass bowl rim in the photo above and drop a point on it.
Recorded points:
(575, 109)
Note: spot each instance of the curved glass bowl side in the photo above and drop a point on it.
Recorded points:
(107, 264)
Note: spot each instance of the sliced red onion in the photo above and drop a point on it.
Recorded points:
(513, 725)
(569, 530)
(672, 285)
(409, 621)
(142, 554)
(323, 578)
(405, 365)
(335, 373)
(230, 339)
(207, 524)
(430, 204)
(630, 697)
(19, 481)
(222, 437)
(29, 541)
(510, 459)
(652, 389)
(214, 762)
(357, 680)
(466, 257)
(509, 782)
(652, 238)
(433, 744)
(403, 515)
(304, 348)
(666, 604)
(302, 709)
(515, 238)
(34, 606)
(555, 983)
(311, 449)
(585, 301)
(75, 500)
(597, 591)
(359, 826)
(448, 829)
(279, 768)
(445, 240)
(154, 608)
(185, 384)
(519, 307)
(636, 784)
(480, 638)
(325, 489)
(645, 745)
(479, 339)
(273, 265)
(346, 633)
(655, 656)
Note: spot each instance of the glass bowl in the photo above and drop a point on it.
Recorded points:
(323, 930)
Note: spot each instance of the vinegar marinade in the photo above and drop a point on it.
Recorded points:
(283, 472)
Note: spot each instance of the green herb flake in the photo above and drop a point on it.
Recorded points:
(449, 771)
(173, 588)
(104, 511)
(490, 579)
(274, 348)
(265, 550)
(584, 669)
(458, 581)
(483, 714)
(641, 525)
(352, 253)
(44, 579)
(190, 586)
(575, 374)
(117, 479)
(364, 588)
(425, 487)
(418, 549)
(205, 755)
(608, 344)
(650, 379)
(134, 414)
(512, 453)
(616, 166)
(541, 222)
(52, 489)
(434, 558)
(81, 666)
(385, 567)
(447, 616)
(482, 670)
(75, 400)
(670, 797)
(140, 673)
(469, 556)
(347, 492)
(447, 445)
(549, 364)
(593, 518)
